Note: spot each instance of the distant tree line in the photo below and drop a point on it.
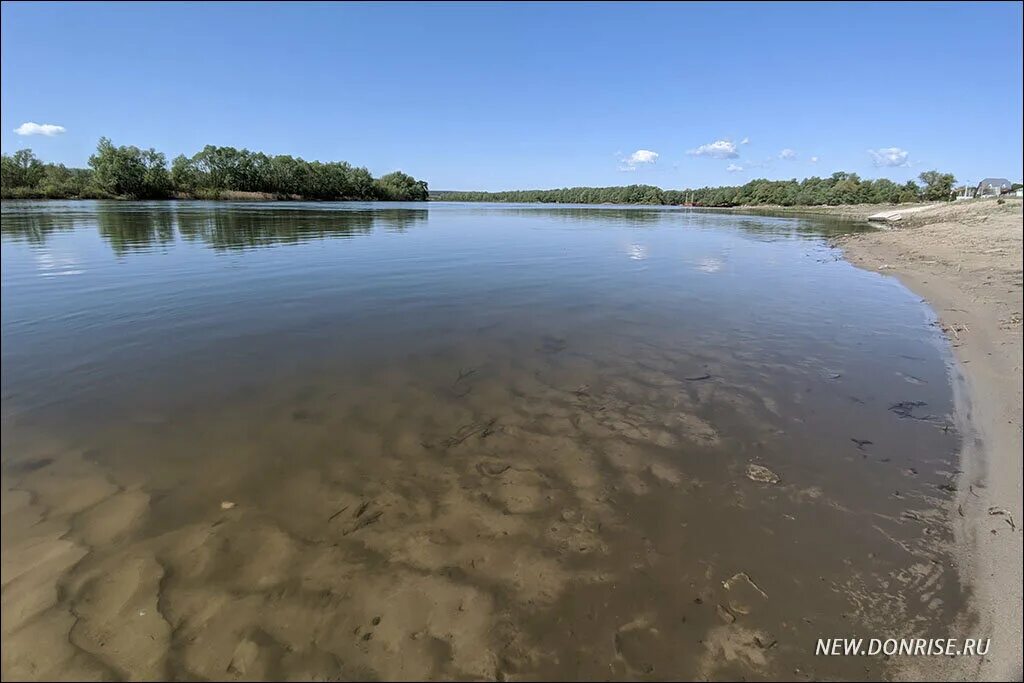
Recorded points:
(23, 175)
(133, 173)
(839, 188)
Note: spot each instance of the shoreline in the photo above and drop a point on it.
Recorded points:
(858, 212)
(964, 260)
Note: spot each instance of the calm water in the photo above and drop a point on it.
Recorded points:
(516, 441)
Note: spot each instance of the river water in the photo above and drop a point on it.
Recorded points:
(346, 440)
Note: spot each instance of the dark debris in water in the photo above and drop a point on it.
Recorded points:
(460, 386)
(725, 614)
(481, 429)
(905, 409)
(366, 521)
(553, 345)
(463, 374)
(360, 519)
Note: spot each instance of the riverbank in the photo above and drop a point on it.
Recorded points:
(965, 260)
(852, 211)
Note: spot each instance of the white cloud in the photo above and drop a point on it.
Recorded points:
(814, 160)
(719, 149)
(745, 141)
(641, 157)
(787, 154)
(889, 156)
(47, 129)
(733, 168)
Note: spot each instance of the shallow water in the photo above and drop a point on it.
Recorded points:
(462, 441)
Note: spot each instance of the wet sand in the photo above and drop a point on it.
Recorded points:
(965, 260)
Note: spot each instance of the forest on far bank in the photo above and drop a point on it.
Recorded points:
(839, 188)
(127, 172)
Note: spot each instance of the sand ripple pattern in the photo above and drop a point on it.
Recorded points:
(554, 516)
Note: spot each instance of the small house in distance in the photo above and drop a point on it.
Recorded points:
(993, 187)
(964, 191)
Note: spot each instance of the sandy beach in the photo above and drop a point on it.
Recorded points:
(965, 260)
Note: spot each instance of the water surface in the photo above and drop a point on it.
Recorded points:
(407, 440)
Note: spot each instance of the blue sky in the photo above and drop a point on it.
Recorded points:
(503, 96)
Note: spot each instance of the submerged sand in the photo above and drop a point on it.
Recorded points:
(966, 259)
(553, 523)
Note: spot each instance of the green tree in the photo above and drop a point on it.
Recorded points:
(22, 169)
(183, 174)
(130, 171)
(884, 191)
(400, 186)
(937, 186)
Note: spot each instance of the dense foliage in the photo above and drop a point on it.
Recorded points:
(937, 186)
(225, 171)
(23, 175)
(839, 188)
(134, 173)
(130, 171)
